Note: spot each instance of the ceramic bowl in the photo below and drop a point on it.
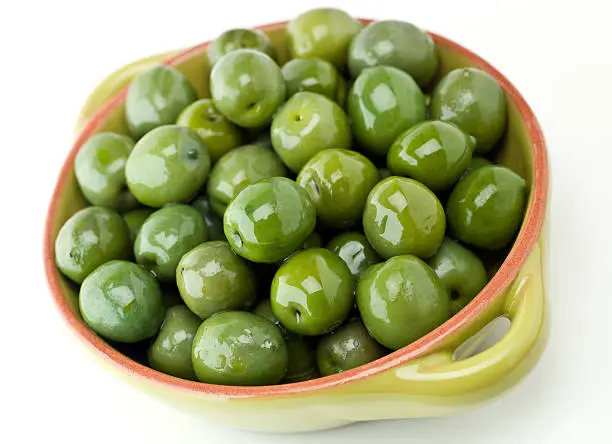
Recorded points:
(426, 378)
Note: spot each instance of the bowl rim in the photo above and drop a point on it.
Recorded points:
(528, 236)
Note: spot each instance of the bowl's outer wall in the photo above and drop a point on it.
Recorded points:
(419, 382)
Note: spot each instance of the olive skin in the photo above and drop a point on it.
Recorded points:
(355, 250)
(235, 39)
(122, 302)
(474, 101)
(134, 220)
(401, 300)
(302, 358)
(476, 162)
(307, 124)
(217, 132)
(99, 167)
(269, 220)
(460, 271)
(486, 207)
(312, 292)
(239, 348)
(214, 224)
(170, 353)
(156, 97)
(338, 183)
(382, 103)
(316, 76)
(212, 278)
(434, 153)
(345, 348)
(401, 217)
(166, 236)
(323, 33)
(237, 170)
(394, 43)
(91, 237)
(247, 86)
(168, 165)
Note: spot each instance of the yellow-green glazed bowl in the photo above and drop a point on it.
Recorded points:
(425, 378)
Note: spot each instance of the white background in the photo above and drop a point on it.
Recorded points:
(54, 52)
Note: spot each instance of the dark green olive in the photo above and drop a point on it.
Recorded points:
(394, 43)
(435, 153)
(312, 293)
(269, 220)
(156, 97)
(239, 39)
(212, 278)
(355, 250)
(323, 33)
(89, 238)
(170, 353)
(216, 131)
(338, 183)
(122, 302)
(460, 271)
(213, 223)
(382, 103)
(401, 300)
(402, 216)
(168, 165)
(486, 207)
(239, 348)
(348, 347)
(239, 169)
(473, 100)
(166, 236)
(247, 86)
(99, 167)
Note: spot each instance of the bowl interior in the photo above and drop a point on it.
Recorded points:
(516, 151)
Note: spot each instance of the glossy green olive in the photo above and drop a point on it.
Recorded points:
(239, 348)
(238, 169)
(99, 168)
(212, 278)
(435, 153)
(302, 359)
(156, 97)
(402, 216)
(474, 101)
(235, 39)
(168, 165)
(121, 301)
(134, 220)
(166, 236)
(314, 75)
(89, 238)
(217, 132)
(312, 293)
(247, 86)
(307, 124)
(355, 250)
(382, 103)
(401, 300)
(394, 43)
(338, 183)
(476, 162)
(269, 220)
(486, 207)
(214, 224)
(460, 271)
(170, 353)
(348, 347)
(322, 33)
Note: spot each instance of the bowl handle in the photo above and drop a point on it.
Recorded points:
(114, 83)
(504, 363)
